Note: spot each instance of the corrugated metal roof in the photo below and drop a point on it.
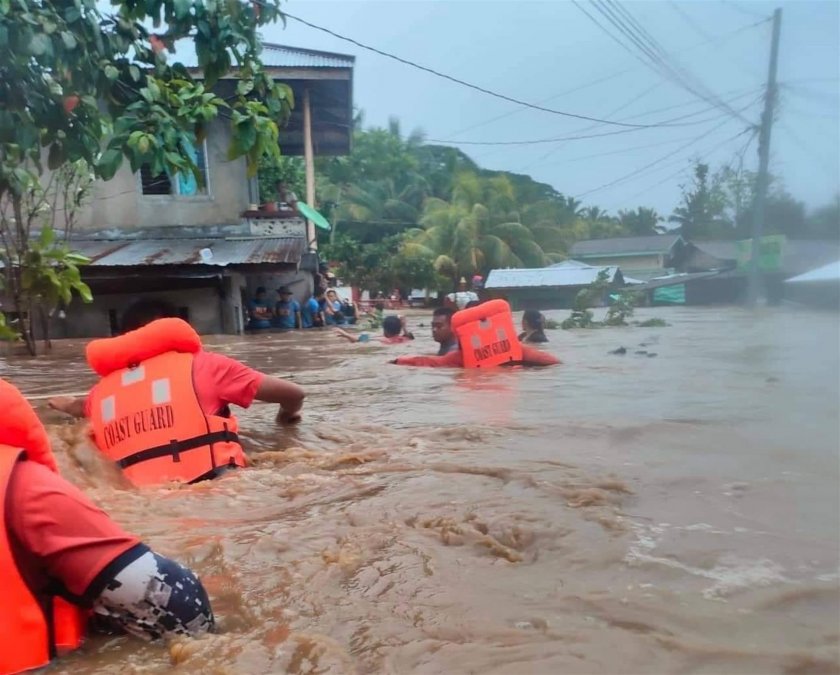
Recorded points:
(659, 243)
(674, 280)
(570, 264)
(274, 56)
(545, 277)
(222, 252)
(830, 272)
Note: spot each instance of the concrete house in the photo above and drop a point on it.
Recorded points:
(206, 248)
(638, 257)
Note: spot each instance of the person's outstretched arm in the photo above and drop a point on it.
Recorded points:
(288, 394)
(96, 564)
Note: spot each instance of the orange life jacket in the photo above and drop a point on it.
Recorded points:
(145, 413)
(35, 626)
(487, 335)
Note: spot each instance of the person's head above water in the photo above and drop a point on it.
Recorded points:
(442, 324)
(146, 311)
(391, 326)
(532, 320)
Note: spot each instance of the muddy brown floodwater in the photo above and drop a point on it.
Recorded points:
(618, 514)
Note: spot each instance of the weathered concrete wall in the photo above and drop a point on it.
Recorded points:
(205, 307)
(120, 204)
(301, 284)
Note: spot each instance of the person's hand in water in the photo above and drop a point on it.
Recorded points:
(344, 334)
(286, 417)
(68, 405)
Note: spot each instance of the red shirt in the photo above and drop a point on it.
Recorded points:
(219, 381)
(61, 528)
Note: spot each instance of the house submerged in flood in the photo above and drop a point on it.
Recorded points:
(553, 287)
(207, 249)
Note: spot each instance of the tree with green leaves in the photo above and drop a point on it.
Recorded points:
(91, 82)
(640, 222)
(478, 230)
(702, 214)
(44, 271)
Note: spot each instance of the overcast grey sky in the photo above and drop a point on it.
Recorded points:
(551, 52)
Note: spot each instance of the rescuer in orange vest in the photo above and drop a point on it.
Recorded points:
(482, 336)
(161, 410)
(63, 560)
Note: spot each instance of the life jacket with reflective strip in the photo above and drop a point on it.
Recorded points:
(35, 625)
(487, 335)
(145, 414)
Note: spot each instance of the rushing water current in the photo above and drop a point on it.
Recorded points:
(616, 514)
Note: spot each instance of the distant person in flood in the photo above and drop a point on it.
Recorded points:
(442, 330)
(462, 297)
(533, 327)
(311, 315)
(64, 561)
(161, 408)
(259, 311)
(348, 309)
(332, 309)
(286, 310)
(394, 332)
(494, 351)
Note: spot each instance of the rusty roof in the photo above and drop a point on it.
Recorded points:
(215, 252)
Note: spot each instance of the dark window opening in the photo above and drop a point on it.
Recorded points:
(154, 185)
(182, 183)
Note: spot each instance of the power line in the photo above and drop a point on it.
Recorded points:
(516, 111)
(660, 57)
(463, 83)
(640, 170)
(671, 123)
(738, 8)
(708, 153)
(656, 56)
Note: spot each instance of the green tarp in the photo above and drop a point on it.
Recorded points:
(670, 295)
(770, 251)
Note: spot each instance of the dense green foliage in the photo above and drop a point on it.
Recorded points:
(97, 83)
(396, 203)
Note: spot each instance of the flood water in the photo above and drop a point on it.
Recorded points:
(616, 514)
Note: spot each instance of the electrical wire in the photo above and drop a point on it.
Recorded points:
(713, 39)
(672, 124)
(646, 167)
(461, 82)
(654, 56)
(707, 154)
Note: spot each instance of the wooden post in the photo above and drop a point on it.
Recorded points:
(309, 161)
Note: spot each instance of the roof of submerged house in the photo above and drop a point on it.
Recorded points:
(830, 272)
(213, 252)
(626, 246)
(275, 56)
(548, 277)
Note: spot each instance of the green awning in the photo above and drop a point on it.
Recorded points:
(311, 214)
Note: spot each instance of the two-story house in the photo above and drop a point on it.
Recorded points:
(206, 249)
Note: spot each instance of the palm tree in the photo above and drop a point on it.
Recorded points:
(641, 222)
(468, 237)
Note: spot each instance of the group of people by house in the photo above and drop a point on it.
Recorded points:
(323, 308)
(161, 412)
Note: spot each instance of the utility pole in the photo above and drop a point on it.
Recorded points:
(763, 178)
